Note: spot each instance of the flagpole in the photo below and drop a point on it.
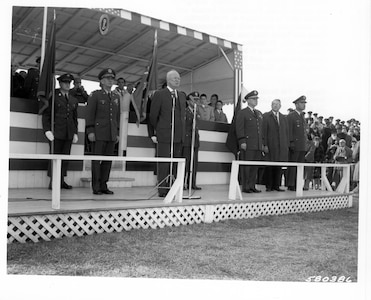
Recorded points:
(53, 97)
(43, 40)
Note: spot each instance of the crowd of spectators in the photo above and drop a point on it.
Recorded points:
(332, 142)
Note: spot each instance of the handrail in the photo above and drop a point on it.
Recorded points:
(343, 187)
(175, 193)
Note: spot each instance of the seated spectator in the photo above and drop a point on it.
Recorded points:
(205, 111)
(31, 81)
(213, 100)
(355, 173)
(17, 83)
(343, 155)
(78, 91)
(342, 135)
(219, 114)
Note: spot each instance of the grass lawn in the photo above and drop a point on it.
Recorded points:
(273, 248)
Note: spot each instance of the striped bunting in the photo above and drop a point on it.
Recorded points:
(149, 21)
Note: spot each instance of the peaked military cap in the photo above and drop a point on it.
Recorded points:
(300, 99)
(252, 94)
(194, 95)
(310, 112)
(65, 78)
(315, 114)
(337, 120)
(106, 73)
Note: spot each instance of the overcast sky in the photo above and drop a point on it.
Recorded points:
(317, 48)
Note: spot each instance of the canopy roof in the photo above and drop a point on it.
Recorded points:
(127, 47)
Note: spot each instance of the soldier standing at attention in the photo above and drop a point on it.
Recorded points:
(250, 139)
(102, 127)
(64, 131)
(297, 139)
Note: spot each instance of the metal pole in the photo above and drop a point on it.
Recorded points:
(172, 137)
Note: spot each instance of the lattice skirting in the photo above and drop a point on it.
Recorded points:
(50, 226)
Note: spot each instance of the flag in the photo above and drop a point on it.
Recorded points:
(232, 142)
(148, 83)
(46, 82)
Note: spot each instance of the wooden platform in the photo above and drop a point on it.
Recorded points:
(32, 218)
(38, 201)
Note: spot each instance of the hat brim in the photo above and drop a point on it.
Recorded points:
(108, 76)
(66, 81)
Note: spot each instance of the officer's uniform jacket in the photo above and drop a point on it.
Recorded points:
(65, 116)
(249, 129)
(103, 115)
(189, 127)
(297, 131)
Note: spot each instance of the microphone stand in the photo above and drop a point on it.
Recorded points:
(192, 154)
(173, 96)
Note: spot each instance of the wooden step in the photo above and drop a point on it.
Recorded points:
(113, 182)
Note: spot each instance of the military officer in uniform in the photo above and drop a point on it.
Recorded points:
(64, 132)
(192, 98)
(249, 134)
(102, 127)
(297, 139)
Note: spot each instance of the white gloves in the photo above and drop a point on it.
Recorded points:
(49, 135)
(91, 136)
(154, 139)
(75, 138)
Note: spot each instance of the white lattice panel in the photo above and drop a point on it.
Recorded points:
(47, 227)
(281, 207)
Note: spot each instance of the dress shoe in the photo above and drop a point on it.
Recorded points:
(195, 187)
(268, 189)
(107, 192)
(162, 195)
(246, 191)
(66, 186)
(97, 192)
(278, 189)
(291, 188)
(305, 189)
(254, 190)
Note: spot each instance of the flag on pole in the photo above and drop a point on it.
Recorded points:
(149, 81)
(232, 142)
(47, 82)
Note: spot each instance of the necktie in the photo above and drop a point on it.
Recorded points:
(255, 113)
(173, 96)
(65, 96)
(277, 118)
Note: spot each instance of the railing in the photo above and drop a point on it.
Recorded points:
(175, 193)
(343, 186)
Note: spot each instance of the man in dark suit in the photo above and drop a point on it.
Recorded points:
(249, 134)
(102, 127)
(168, 105)
(297, 139)
(64, 131)
(276, 144)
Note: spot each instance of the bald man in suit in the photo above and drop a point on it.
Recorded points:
(161, 112)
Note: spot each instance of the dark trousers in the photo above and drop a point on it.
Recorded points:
(272, 177)
(164, 150)
(294, 156)
(187, 156)
(249, 173)
(100, 170)
(60, 147)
